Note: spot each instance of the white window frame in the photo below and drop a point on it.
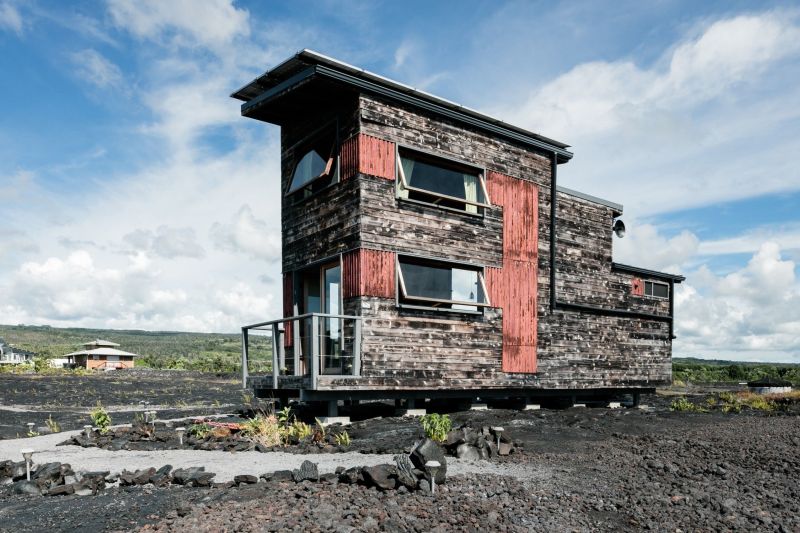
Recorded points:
(402, 292)
(651, 295)
(479, 172)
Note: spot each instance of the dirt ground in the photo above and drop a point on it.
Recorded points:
(69, 398)
(596, 469)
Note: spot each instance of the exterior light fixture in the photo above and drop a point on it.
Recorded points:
(87, 430)
(619, 228)
(433, 467)
(30, 428)
(498, 431)
(27, 454)
(180, 432)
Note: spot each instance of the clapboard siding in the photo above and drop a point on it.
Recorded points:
(368, 273)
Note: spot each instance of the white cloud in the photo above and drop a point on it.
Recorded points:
(248, 235)
(14, 186)
(94, 68)
(750, 314)
(644, 246)
(787, 236)
(165, 241)
(10, 18)
(188, 23)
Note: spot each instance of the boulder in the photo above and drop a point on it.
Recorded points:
(6, 472)
(467, 452)
(245, 479)
(278, 475)
(162, 478)
(84, 489)
(351, 476)
(143, 476)
(26, 487)
(454, 438)
(193, 477)
(182, 475)
(51, 474)
(307, 471)
(428, 450)
(61, 490)
(18, 471)
(382, 476)
(405, 472)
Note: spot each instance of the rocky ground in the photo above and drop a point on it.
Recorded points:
(581, 469)
(67, 399)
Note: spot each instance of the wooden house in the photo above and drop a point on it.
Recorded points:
(101, 355)
(428, 251)
(10, 355)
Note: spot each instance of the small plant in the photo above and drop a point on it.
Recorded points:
(711, 401)
(100, 418)
(247, 398)
(436, 426)
(759, 402)
(342, 439)
(728, 397)
(285, 416)
(319, 432)
(263, 429)
(683, 405)
(52, 425)
(301, 430)
(199, 431)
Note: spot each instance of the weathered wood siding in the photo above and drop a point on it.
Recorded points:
(365, 154)
(513, 287)
(368, 273)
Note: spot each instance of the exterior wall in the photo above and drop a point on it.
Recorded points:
(362, 219)
(102, 363)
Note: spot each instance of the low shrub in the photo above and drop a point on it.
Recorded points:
(52, 425)
(436, 426)
(199, 431)
(681, 404)
(263, 429)
(100, 418)
(342, 439)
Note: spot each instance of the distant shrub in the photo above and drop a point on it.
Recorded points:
(683, 405)
(436, 426)
(52, 425)
(100, 418)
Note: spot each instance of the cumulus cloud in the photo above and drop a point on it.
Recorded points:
(643, 245)
(10, 18)
(750, 314)
(92, 67)
(184, 22)
(248, 235)
(166, 242)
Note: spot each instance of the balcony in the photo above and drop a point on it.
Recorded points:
(299, 350)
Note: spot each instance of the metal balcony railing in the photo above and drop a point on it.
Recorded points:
(318, 344)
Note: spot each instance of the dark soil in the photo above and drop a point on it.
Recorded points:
(581, 469)
(68, 398)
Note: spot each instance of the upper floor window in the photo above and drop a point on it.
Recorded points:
(315, 168)
(439, 285)
(656, 289)
(441, 182)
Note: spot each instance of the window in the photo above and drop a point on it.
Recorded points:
(439, 285)
(441, 182)
(315, 169)
(656, 289)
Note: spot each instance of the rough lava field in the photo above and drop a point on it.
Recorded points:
(575, 469)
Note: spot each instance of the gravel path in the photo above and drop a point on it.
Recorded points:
(226, 465)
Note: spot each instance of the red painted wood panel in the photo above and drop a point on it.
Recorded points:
(368, 273)
(514, 287)
(637, 287)
(369, 155)
(288, 306)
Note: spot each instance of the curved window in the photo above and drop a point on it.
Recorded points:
(440, 182)
(315, 169)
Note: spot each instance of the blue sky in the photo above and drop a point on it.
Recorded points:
(135, 196)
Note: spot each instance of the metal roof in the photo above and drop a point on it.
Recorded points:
(102, 351)
(588, 197)
(307, 63)
(646, 272)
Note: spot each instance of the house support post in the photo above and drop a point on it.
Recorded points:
(244, 358)
(314, 351)
(275, 363)
(295, 325)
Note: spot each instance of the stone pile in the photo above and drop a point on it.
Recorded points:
(51, 479)
(484, 443)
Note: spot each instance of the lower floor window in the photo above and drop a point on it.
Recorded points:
(441, 285)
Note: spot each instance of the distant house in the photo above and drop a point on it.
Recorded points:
(101, 355)
(13, 356)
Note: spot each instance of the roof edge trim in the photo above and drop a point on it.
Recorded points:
(647, 272)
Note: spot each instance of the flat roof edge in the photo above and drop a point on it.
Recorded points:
(590, 198)
(647, 272)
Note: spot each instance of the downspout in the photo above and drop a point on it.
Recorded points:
(672, 310)
(553, 205)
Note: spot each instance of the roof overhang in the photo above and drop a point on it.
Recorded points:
(263, 97)
(645, 272)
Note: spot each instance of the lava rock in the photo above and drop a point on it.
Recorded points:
(428, 450)
(405, 472)
(467, 452)
(351, 476)
(26, 487)
(382, 476)
(278, 475)
(61, 490)
(307, 471)
(245, 479)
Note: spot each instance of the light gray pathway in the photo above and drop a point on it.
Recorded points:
(226, 465)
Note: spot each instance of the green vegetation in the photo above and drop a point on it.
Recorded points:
(204, 352)
(52, 425)
(712, 371)
(343, 439)
(683, 405)
(100, 418)
(436, 426)
(199, 431)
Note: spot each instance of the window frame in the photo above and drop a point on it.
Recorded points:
(431, 158)
(332, 167)
(651, 283)
(401, 293)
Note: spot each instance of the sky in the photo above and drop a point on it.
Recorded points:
(133, 195)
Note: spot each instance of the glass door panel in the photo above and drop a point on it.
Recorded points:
(331, 328)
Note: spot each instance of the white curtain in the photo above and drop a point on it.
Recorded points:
(471, 192)
(408, 169)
